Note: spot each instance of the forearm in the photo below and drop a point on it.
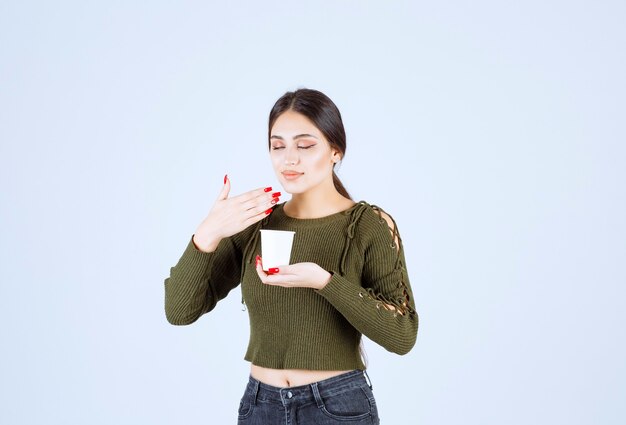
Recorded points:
(205, 243)
(394, 329)
(187, 290)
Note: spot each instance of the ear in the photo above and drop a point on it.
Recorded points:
(336, 156)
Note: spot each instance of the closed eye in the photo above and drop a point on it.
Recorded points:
(299, 147)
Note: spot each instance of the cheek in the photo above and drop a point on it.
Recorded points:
(320, 162)
(275, 158)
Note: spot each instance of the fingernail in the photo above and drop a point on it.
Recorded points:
(274, 201)
(256, 261)
(273, 270)
(225, 178)
(276, 194)
(268, 211)
(267, 189)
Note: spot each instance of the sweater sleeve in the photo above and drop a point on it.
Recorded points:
(200, 279)
(381, 305)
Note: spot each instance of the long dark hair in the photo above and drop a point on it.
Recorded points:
(324, 114)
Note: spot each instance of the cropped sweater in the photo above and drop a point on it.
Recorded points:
(304, 328)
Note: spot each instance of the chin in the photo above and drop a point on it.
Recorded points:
(292, 187)
(299, 187)
(292, 190)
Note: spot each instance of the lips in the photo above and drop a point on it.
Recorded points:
(290, 175)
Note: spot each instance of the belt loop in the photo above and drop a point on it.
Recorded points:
(255, 391)
(369, 381)
(316, 394)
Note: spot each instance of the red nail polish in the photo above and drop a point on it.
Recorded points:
(274, 201)
(256, 261)
(276, 194)
(267, 189)
(268, 211)
(273, 270)
(225, 178)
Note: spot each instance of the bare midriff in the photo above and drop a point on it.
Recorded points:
(284, 378)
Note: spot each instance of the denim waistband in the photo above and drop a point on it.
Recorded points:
(302, 394)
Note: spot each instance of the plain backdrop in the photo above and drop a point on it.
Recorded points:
(493, 132)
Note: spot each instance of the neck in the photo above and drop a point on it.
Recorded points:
(317, 202)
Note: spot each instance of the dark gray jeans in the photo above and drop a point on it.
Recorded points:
(343, 399)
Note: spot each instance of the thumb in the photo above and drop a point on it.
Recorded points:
(225, 189)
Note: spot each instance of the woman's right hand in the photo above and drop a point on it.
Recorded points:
(232, 215)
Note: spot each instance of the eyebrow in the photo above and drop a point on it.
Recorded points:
(299, 136)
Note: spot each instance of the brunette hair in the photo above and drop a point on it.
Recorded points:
(324, 114)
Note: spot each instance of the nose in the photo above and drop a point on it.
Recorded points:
(291, 156)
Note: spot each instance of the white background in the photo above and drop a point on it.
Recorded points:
(493, 132)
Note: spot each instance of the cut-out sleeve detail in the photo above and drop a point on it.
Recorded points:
(395, 292)
(394, 332)
(381, 305)
(200, 279)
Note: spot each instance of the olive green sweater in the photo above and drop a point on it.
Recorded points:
(303, 328)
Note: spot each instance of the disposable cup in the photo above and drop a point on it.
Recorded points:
(276, 247)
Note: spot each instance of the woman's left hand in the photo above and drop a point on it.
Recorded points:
(299, 275)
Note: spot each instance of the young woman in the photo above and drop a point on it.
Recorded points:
(347, 277)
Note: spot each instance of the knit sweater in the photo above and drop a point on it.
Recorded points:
(304, 328)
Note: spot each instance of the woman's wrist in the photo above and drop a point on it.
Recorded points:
(326, 280)
(205, 244)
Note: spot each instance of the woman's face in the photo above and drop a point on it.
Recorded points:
(301, 156)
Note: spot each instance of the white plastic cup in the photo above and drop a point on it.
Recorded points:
(276, 247)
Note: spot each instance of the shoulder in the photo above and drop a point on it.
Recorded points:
(377, 224)
(390, 221)
(375, 213)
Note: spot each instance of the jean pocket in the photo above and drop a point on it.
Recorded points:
(352, 404)
(370, 395)
(245, 407)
